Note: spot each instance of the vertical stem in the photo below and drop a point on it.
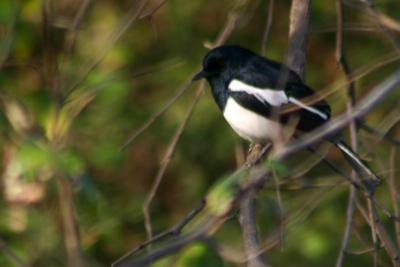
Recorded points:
(298, 33)
(351, 100)
(393, 192)
(249, 231)
(70, 226)
(268, 25)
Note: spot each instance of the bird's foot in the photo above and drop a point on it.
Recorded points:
(255, 153)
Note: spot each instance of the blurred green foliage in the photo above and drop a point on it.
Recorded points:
(61, 116)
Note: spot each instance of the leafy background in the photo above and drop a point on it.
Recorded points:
(59, 121)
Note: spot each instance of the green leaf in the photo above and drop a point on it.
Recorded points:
(276, 166)
(70, 163)
(199, 255)
(7, 11)
(220, 197)
(33, 161)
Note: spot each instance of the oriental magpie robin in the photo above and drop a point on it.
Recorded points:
(250, 90)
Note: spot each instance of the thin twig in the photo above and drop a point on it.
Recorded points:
(11, 254)
(154, 10)
(341, 59)
(70, 225)
(173, 231)
(379, 133)
(173, 246)
(382, 22)
(74, 25)
(156, 115)
(270, 16)
(394, 193)
(382, 232)
(131, 16)
(373, 225)
(166, 159)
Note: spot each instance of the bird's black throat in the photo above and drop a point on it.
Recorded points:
(218, 88)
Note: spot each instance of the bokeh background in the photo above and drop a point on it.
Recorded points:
(75, 87)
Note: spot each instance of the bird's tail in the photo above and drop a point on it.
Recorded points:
(370, 179)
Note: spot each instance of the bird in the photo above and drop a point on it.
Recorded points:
(250, 90)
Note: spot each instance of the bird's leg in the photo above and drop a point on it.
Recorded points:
(255, 153)
(251, 146)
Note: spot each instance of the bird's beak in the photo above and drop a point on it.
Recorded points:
(201, 74)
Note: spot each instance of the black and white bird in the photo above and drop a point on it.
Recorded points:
(249, 89)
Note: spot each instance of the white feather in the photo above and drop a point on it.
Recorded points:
(249, 125)
(311, 109)
(272, 97)
(356, 159)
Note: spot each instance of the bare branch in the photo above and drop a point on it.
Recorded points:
(70, 225)
(381, 231)
(298, 33)
(341, 59)
(172, 247)
(72, 29)
(131, 16)
(394, 192)
(156, 115)
(167, 158)
(268, 25)
(173, 231)
(249, 231)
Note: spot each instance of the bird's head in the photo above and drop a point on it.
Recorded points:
(223, 60)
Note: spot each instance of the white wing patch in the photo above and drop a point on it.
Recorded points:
(306, 107)
(272, 97)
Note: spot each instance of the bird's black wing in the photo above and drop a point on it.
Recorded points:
(311, 115)
(265, 74)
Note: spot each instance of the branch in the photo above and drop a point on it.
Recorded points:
(268, 25)
(381, 231)
(298, 32)
(132, 15)
(341, 59)
(70, 225)
(173, 231)
(394, 192)
(166, 160)
(247, 221)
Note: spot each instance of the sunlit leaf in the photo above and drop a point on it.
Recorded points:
(17, 115)
(199, 255)
(221, 195)
(70, 163)
(277, 166)
(7, 11)
(32, 159)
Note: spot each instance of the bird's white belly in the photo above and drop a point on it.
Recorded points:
(248, 124)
